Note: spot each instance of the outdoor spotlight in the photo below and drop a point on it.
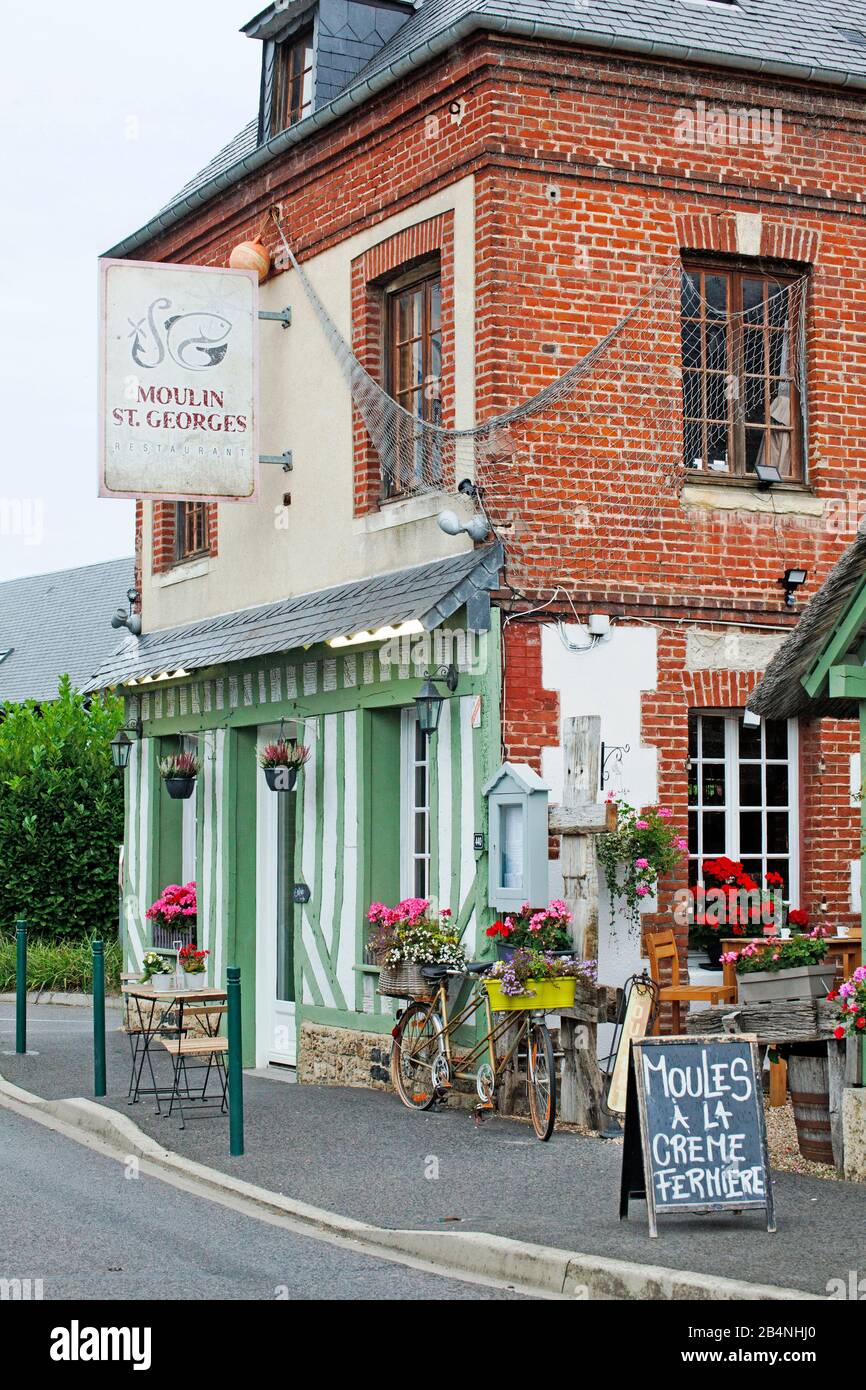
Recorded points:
(791, 581)
(750, 719)
(429, 702)
(476, 528)
(767, 474)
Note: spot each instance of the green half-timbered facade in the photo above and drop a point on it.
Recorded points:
(379, 813)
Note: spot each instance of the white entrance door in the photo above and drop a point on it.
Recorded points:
(276, 1028)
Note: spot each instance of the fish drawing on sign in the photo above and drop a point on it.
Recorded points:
(148, 348)
(194, 341)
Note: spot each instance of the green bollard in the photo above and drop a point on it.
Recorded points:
(236, 1075)
(98, 1018)
(21, 986)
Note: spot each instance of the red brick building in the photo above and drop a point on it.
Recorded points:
(605, 147)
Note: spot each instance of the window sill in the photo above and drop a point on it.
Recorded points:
(186, 569)
(793, 499)
(399, 513)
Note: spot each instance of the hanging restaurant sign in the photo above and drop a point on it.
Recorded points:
(178, 382)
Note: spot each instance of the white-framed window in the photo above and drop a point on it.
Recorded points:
(744, 796)
(415, 807)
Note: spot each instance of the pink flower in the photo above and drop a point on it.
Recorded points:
(665, 812)
(641, 890)
(641, 863)
(641, 825)
(682, 844)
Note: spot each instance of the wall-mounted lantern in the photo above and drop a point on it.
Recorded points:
(429, 702)
(121, 744)
(517, 804)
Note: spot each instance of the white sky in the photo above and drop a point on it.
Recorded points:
(107, 107)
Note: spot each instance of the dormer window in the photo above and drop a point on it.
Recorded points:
(293, 81)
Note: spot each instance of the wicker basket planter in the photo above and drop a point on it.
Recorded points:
(403, 981)
(784, 986)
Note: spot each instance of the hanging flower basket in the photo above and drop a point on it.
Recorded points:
(179, 773)
(281, 779)
(281, 762)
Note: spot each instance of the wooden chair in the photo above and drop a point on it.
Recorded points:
(662, 946)
(207, 1047)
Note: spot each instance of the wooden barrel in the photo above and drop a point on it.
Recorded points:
(809, 1082)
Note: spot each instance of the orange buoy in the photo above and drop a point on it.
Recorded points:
(251, 255)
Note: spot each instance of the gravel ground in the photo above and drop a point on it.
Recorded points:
(784, 1150)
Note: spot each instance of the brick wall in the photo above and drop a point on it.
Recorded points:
(585, 194)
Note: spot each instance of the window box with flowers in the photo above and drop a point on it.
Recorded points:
(407, 937)
(777, 971)
(534, 979)
(175, 910)
(546, 929)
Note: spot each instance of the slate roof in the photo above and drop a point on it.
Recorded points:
(780, 694)
(429, 593)
(806, 40)
(58, 624)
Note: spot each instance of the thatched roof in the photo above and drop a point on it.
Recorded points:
(780, 693)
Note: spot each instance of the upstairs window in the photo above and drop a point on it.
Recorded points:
(413, 362)
(293, 82)
(191, 538)
(740, 344)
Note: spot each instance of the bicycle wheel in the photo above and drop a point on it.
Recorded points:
(417, 1043)
(541, 1080)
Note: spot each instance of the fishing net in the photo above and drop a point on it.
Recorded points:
(699, 377)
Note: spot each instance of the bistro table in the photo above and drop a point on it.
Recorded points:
(161, 1013)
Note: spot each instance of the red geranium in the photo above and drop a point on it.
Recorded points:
(499, 929)
(798, 917)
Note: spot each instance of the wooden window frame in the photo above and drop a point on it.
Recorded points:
(426, 275)
(294, 59)
(191, 524)
(738, 270)
(734, 806)
(416, 865)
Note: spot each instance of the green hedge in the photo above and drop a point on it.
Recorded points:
(63, 965)
(61, 816)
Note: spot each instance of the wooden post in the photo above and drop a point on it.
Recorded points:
(582, 752)
(578, 821)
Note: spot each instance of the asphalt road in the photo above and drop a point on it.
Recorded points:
(78, 1221)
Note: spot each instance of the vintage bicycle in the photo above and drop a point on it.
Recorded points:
(424, 1050)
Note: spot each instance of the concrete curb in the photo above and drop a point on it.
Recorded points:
(538, 1268)
(83, 1001)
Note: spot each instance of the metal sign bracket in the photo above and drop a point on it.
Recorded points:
(283, 316)
(284, 460)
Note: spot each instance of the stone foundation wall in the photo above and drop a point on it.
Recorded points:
(347, 1057)
(343, 1057)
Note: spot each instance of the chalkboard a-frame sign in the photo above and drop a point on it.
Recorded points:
(695, 1139)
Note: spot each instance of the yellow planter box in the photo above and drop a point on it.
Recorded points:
(547, 994)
